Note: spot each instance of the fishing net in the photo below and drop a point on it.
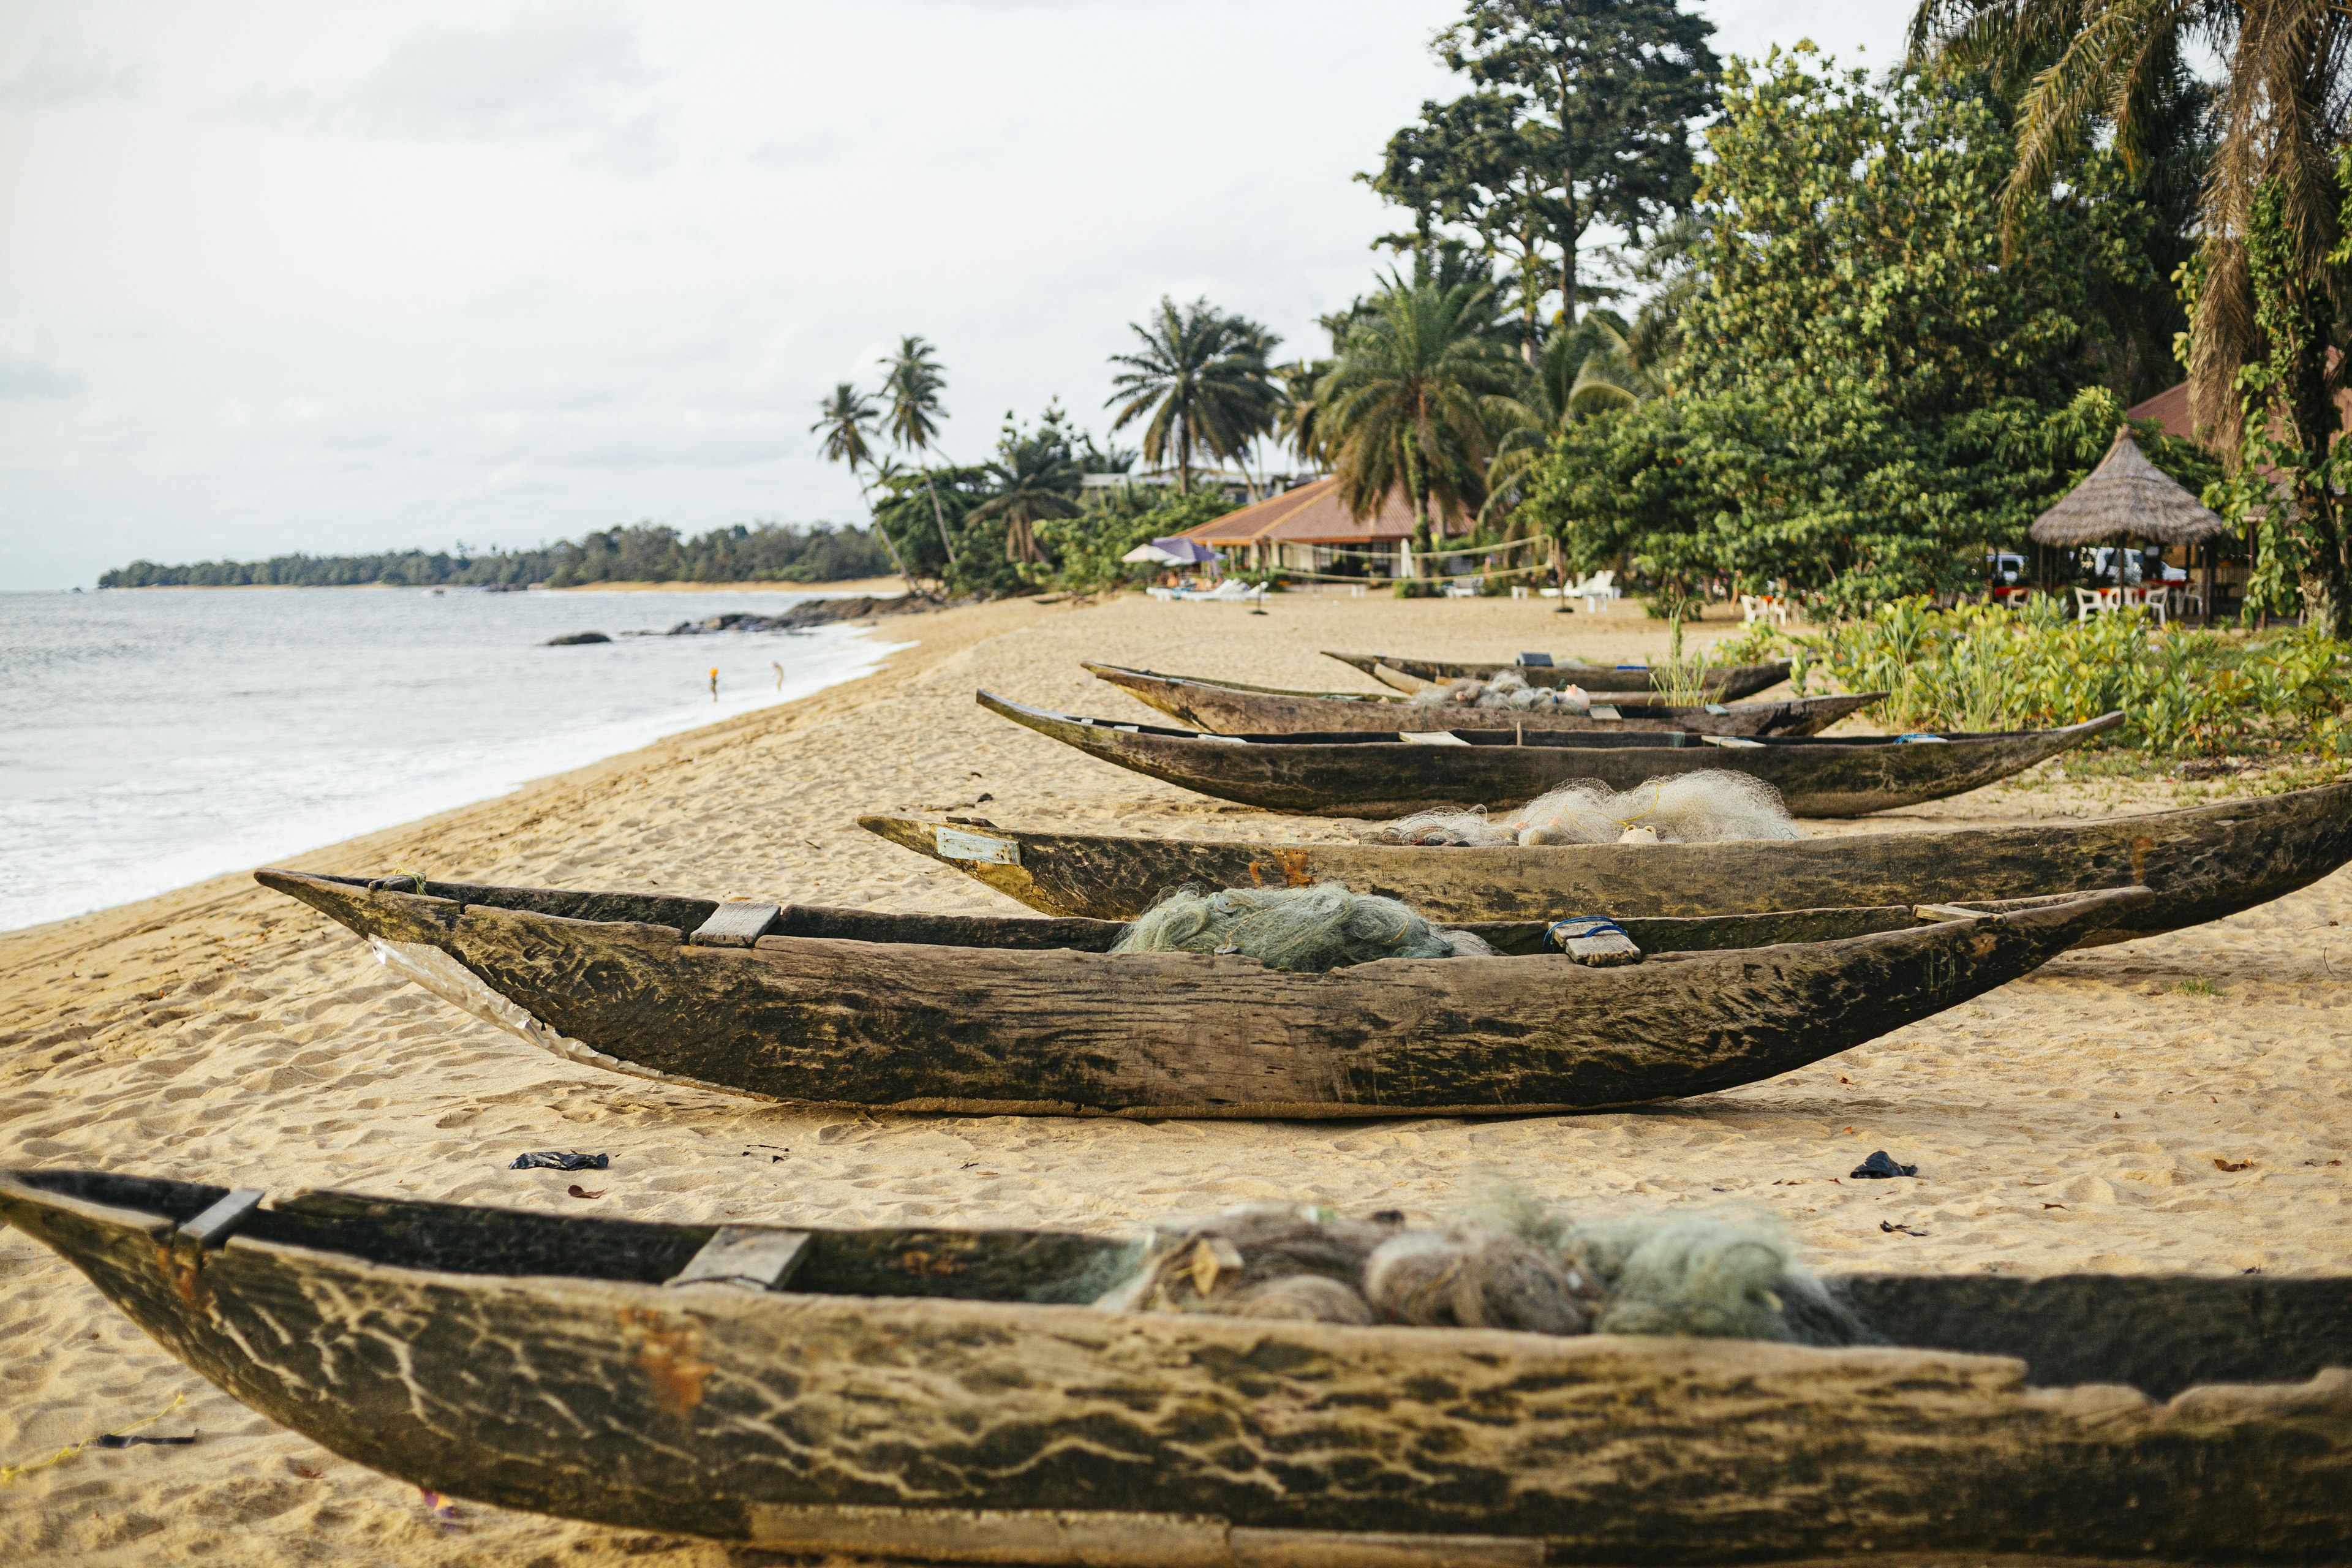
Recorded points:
(1502, 1262)
(1711, 806)
(1507, 688)
(1307, 930)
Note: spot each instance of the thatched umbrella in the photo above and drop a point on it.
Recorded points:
(2129, 498)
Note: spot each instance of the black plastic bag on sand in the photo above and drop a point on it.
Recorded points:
(551, 1160)
(1879, 1167)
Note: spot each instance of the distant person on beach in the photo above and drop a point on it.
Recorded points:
(714, 685)
(779, 673)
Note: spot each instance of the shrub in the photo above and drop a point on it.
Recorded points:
(2180, 690)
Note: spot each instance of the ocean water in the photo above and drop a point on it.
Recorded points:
(149, 740)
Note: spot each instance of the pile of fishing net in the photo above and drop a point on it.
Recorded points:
(1506, 688)
(1509, 1264)
(1711, 806)
(1305, 929)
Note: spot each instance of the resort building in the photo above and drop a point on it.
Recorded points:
(1309, 528)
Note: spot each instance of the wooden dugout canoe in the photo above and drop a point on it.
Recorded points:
(981, 1014)
(946, 1395)
(1231, 708)
(1727, 684)
(2202, 862)
(1363, 773)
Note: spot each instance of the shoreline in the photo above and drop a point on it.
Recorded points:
(2072, 1120)
(875, 587)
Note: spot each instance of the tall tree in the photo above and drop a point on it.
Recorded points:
(1869, 392)
(1414, 402)
(2273, 200)
(913, 380)
(847, 422)
(1202, 376)
(1587, 369)
(1583, 115)
(1036, 475)
(1299, 421)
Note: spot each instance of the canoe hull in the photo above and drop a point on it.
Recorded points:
(1064, 1032)
(2203, 863)
(991, 1430)
(1308, 775)
(1727, 683)
(1228, 709)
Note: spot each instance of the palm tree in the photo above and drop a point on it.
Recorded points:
(845, 420)
(913, 383)
(1202, 376)
(1298, 416)
(2271, 207)
(1036, 477)
(1414, 401)
(1579, 371)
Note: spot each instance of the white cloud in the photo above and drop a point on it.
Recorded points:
(573, 74)
(61, 72)
(23, 375)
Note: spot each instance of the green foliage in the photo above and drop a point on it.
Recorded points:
(1413, 405)
(1036, 475)
(1200, 376)
(1582, 113)
(927, 511)
(1869, 393)
(646, 552)
(1089, 544)
(2180, 690)
(2292, 471)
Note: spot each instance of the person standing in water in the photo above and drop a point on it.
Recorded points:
(714, 683)
(779, 673)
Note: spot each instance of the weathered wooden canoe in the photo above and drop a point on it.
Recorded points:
(949, 1396)
(2203, 862)
(1394, 772)
(1231, 708)
(1724, 685)
(991, 1015)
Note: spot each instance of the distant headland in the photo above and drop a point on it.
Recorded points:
(646, 552)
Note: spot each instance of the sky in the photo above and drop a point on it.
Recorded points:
(338, 278)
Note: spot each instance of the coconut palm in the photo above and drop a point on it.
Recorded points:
(2282, 119)
(1415, 403)
(1037, 477)
(1298, 416)
(912, 380)
(2270, 277)
(1579, 371)
(847, 421)
(1202, 376)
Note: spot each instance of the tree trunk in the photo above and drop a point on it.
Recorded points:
(2327, 584)
(1414, 480)
(938, 516)
(889, 543)
(1183, 456)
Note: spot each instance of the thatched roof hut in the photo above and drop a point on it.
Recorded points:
(2127, 496)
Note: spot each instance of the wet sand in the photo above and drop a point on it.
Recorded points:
(2072, 1120)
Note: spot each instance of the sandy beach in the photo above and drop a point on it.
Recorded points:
(2077, 1118)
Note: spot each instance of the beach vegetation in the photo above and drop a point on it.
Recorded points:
(1414, 404)
(1035, 475)
(1088, 545)
(2183, 692)
(1199, 381)
(913, 383)
(640, 553)
(1873, 386)
(2265, 291)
